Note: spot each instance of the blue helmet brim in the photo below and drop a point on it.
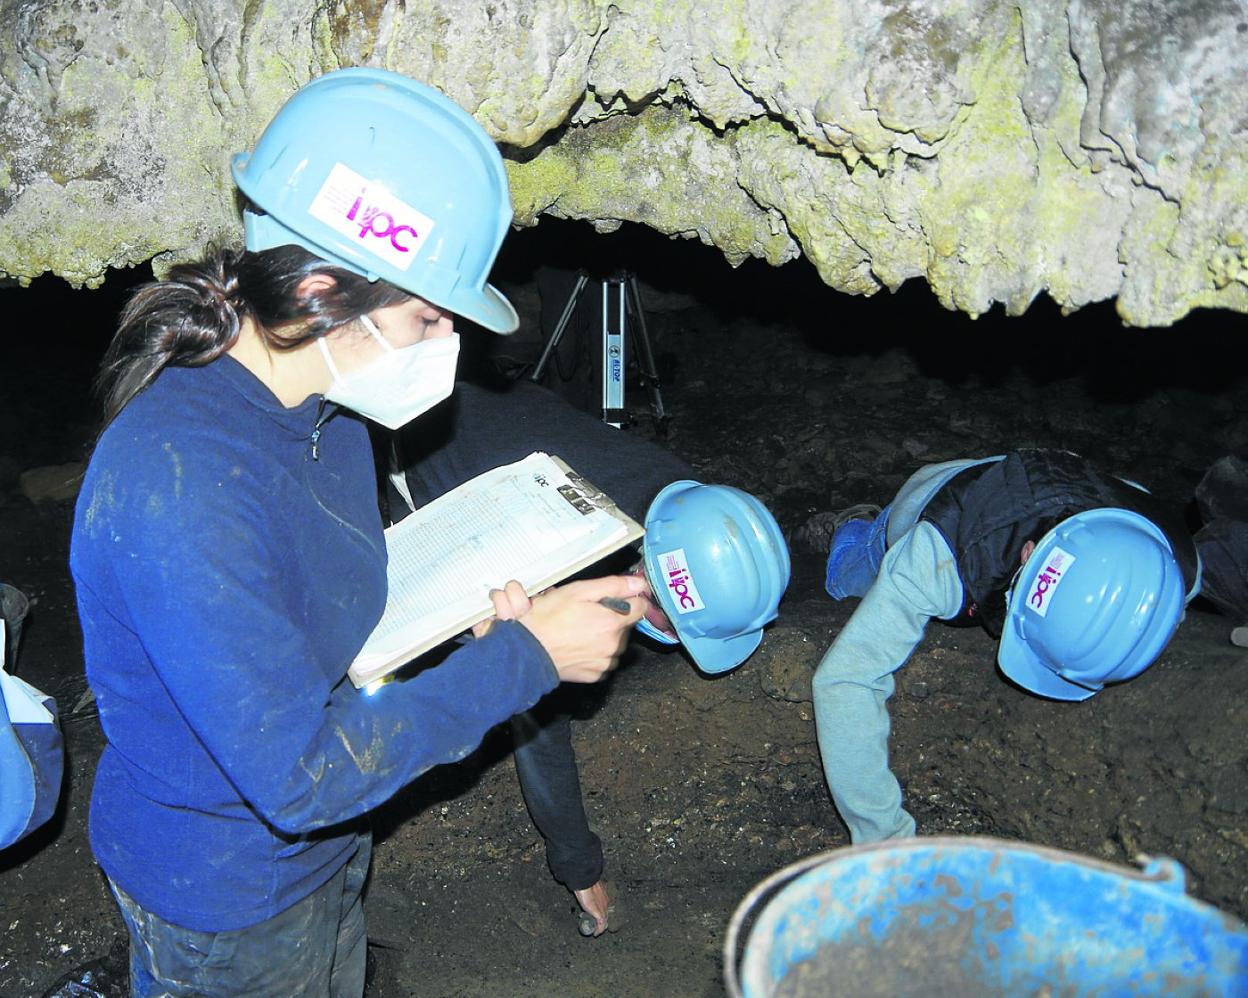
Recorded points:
(1021, 665)
(487, 307)
(716, 655)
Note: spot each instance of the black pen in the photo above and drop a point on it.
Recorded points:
(618, 605)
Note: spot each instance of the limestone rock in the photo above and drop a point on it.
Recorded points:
(1080, 148)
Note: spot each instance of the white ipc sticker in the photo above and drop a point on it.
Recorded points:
(370, 216)
(1051, 575)
(679, 581)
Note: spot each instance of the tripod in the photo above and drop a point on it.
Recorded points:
(620, 301)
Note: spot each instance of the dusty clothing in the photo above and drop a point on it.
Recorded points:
(317, 946)
(228, 558)
(951, 538)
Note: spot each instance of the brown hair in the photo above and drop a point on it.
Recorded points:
(193, 316)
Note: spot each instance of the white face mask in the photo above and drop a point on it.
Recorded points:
(396, 388)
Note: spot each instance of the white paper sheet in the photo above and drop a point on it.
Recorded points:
(525, 521)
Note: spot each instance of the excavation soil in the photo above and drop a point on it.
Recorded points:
(699, 786)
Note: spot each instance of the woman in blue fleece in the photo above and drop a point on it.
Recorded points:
(228, 553)
(1082, 575)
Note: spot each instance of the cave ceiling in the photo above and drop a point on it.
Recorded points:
(1084, 149)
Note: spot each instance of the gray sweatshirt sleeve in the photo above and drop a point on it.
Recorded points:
(918, 580)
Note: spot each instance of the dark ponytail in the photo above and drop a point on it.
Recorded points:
(193, 316)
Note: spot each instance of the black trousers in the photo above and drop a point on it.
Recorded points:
(551, 785)
(480, 428)
(1223, 547)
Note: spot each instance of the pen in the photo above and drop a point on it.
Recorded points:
(618, 605)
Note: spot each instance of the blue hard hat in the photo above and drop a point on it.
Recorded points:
(390, 179)
(1095, 602)
(718, 565)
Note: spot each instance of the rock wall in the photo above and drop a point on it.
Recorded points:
(1083, 148)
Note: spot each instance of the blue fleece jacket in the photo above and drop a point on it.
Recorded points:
(229, 563)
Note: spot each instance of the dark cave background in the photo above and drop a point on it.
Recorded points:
(690, 294)
(58, 334)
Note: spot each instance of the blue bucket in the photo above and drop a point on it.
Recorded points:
(975, 917)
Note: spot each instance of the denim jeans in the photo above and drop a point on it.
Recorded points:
(858, 546)
(314, 949)
(854, 556)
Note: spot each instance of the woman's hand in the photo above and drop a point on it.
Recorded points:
(510, 603)
(583, 637)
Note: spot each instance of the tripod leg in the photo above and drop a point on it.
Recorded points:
(560, 326)
(645, 356)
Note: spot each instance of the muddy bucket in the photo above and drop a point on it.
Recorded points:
(976, 917)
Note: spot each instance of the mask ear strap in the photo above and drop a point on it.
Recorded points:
(650, 631)
(371, 326)
(1009, 590)
(329, 361)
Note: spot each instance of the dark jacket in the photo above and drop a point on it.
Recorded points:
(988, 512)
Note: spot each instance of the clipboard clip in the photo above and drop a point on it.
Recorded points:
(587, 489)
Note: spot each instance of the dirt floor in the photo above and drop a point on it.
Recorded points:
(700, 787)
